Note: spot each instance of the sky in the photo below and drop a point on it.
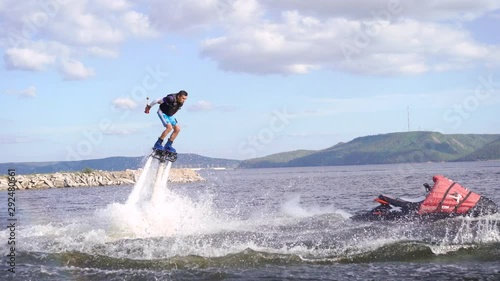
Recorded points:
(263, 76)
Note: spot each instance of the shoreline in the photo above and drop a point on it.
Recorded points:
(92, 178)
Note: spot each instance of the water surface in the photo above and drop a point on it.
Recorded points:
(269, 224)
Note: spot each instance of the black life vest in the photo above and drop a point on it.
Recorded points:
(168, 107)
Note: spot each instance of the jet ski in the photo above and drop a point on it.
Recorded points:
(445, 199)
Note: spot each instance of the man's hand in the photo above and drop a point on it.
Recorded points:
(146, 110)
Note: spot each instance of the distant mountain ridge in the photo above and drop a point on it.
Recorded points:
(405, 147)
(185, 160)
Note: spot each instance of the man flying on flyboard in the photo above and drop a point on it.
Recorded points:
(169, 105)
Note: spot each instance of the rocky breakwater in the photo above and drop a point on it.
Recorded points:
(93, 178)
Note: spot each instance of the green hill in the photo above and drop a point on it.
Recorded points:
(276, 160)
(490, 151)
(407, 147)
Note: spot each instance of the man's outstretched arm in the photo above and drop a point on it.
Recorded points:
(156, 101)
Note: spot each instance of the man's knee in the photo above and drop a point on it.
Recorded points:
(177, 128)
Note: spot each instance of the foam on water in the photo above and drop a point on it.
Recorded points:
(152, 210)
(469, 231)
(293, 208)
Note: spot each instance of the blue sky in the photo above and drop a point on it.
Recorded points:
(262, 76)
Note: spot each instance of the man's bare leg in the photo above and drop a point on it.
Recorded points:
(167, 130)
(174, 134)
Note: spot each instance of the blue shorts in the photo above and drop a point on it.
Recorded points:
(165, 119)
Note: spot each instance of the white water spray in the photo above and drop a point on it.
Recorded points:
(134, 197)
(152, 210)
(160, 183)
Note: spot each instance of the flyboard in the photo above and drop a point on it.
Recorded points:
(163, 155)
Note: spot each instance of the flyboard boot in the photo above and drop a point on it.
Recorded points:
(169, 152)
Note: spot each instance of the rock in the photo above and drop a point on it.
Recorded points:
(18, 185)
(96, 178)
(127, 181)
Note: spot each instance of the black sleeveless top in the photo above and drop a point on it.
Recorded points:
(170, 105)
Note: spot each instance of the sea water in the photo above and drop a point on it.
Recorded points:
(248, 224)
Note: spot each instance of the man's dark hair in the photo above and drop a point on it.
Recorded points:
(182, 93)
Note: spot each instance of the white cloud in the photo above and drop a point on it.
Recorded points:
(120, 131)
(75, 70)
(201, 106)
(297, 43)
(239, 11)
(128, 128)
(30, 92)
(195, 15)
(257, 36)
(424, 10)
(102, 52)
(179, 15)
(115, 5)
(138, 24)
(16, 139)
(35, 33)
(124, 103)
(82, 24)
(301, 68)
(27, 59)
